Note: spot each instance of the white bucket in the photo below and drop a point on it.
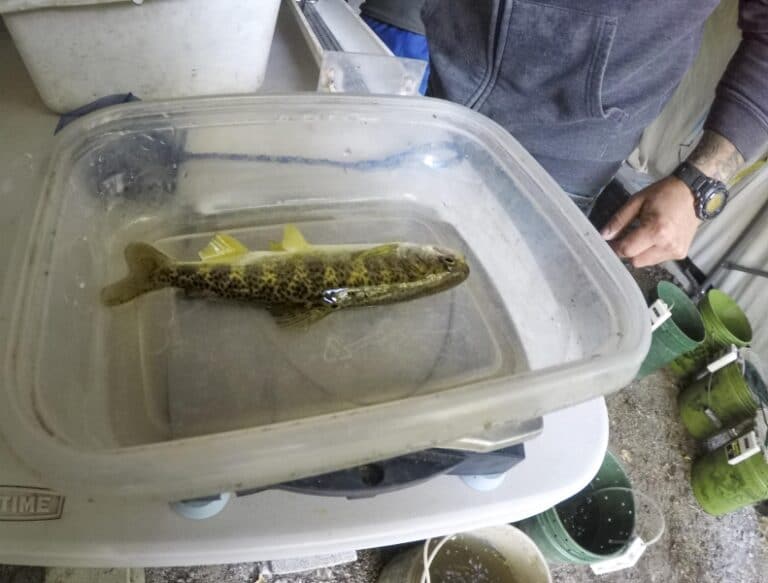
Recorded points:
(499, 554)
(79, 50)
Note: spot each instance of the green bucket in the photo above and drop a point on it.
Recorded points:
(721, 488)
(594, 525)
(681, 333)
(725, 324)
(720, 400)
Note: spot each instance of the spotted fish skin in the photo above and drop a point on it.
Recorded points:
(306, 278)
(297, 281)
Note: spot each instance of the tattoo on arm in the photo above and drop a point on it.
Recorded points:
(716, 157)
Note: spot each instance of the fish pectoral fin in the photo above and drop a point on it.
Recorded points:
(384, 249)
(293, 240)
(291, 316)
(222, 248)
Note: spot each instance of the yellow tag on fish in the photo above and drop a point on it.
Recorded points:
(222, 247)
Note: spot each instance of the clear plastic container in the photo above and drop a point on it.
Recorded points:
(175, 397)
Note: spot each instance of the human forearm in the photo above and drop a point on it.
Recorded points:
(659, 222)
(716, 157)
(665, 211)
(740, 110)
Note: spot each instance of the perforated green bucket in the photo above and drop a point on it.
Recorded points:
(725, 324)
(678, 335)
(720, 487)
(594, 525)
(721, 400)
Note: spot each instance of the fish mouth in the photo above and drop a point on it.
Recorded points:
(451, 260)
(457, 272)
(461, 271)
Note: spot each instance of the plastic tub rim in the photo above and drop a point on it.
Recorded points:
(719, 302)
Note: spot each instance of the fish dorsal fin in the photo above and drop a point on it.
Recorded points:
(293, 240)
(222, 248)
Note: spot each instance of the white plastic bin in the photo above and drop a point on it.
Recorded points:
(79, 50)
(178, 397)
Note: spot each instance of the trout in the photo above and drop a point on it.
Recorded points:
(297, 282)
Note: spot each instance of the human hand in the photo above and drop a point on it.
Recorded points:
(666, 223)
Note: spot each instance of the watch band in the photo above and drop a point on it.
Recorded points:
(705, 191)
(692, 176)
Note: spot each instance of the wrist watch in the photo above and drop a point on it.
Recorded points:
(710, 195)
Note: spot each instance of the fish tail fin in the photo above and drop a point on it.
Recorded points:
(143, 262)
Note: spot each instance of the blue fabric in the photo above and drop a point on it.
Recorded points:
(584, 202)
(70, 116)
(403, 43)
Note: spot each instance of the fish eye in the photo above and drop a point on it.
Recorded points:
(448, 260)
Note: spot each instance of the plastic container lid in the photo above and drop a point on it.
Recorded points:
(176, 397)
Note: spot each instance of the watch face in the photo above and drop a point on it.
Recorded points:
(712, 203)
(715, 203)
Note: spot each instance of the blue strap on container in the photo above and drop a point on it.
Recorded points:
(70, 116)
